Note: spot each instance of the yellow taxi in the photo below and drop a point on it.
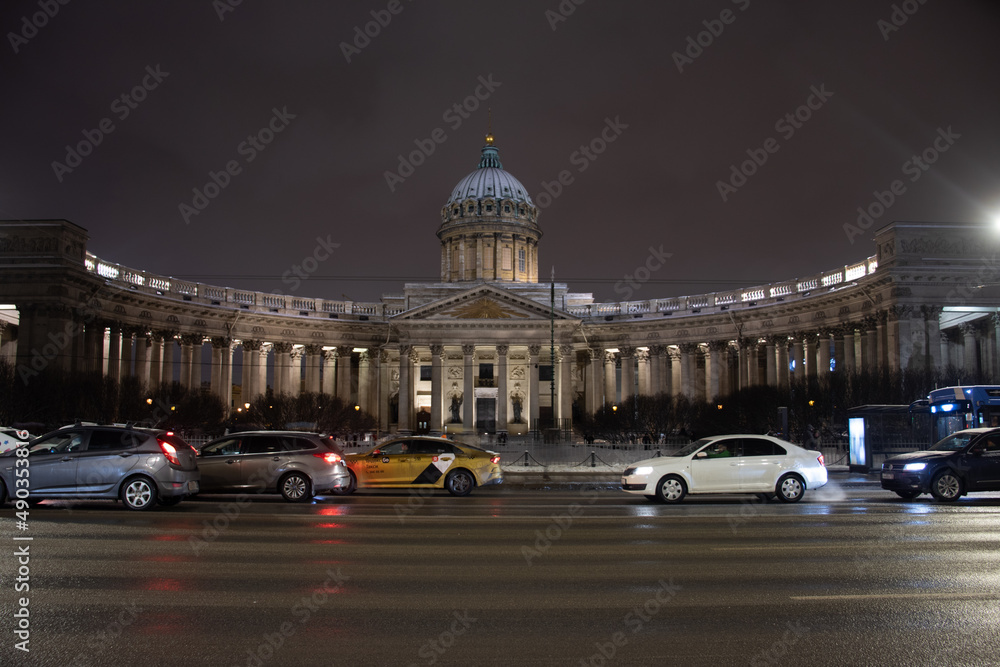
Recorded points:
(423, 462)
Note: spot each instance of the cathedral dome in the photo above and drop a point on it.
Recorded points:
(489, 228)
(490, 180)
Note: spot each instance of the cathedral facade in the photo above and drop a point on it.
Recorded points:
(490, 347)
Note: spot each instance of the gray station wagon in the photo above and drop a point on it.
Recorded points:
(297, 465)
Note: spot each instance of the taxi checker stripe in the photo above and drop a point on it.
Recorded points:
(430, 475)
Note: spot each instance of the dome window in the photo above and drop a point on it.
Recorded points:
(506, 209)
(489, 207)
(455, 212)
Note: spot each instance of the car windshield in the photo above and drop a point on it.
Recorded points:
(688, 450)
(954, 442)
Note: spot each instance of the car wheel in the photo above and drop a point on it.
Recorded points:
(671, 489)
(459, 483)
(947, 486)
(170, 501)
(295, 488)
(138, 493)
(907, 495)
(349, 489)
(790, 489)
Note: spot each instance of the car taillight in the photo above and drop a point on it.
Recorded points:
(494, 459)
(169, 451)
(329, 457)
(821, 460)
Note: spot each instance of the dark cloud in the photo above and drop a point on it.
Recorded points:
(323, 176)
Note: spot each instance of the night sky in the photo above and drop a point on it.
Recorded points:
(874, 83)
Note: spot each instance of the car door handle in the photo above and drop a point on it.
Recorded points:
(124, 454)
(231, 461)
(276, 458)
(66, 458)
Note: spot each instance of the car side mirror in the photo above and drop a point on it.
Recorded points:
(701, 455)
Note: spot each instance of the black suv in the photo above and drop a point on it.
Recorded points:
(965, 461)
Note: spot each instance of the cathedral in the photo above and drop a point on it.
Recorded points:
(490, 348)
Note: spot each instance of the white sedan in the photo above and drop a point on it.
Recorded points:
(729, 464)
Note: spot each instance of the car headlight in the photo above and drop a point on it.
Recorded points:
(643, 470)
(913, 467)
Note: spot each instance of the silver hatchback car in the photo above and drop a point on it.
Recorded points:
(141, 467)
(297, 465)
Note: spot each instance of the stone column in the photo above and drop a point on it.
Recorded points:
(595, 379)
(405, 426)
(329, 372)
(437, 391)
(126, 367)
(187, 342)
(656, 353)
(610, 381)
(251, 361)
(899, 340)
(687, 369)
(882, 354)
(368, 379)
(970, 358)
(566, 386)
(744, 361)
(798, 354)
(142, 359)
(197, 347)
(715, 350)
(932, 324)
(502, 375)
(469, 389)
(847, 362)
(261, 384)
(809, 352)
(627, 355)
(642, 371)
(115, 351)
(772, 364)
(676, 386)
(281, 362)
(216, 378)
(314, 355)
(384, 390)
(823, 356)
(781, 347)
(344, 372)
(155, 360)
(94, 346)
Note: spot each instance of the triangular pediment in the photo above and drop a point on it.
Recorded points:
(484, 302)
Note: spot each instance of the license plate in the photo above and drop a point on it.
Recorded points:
(887, 475)
(192, 487)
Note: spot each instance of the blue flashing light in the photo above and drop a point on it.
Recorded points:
(948, 407)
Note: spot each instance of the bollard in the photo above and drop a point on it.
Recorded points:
(593, 460)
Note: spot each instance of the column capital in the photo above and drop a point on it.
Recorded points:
(252, 344)
(469, 350)
(933, 312)
(192, 339)
(502, 350)
(717, 345)
(280, 348)
(313, 349)
(222, 341)
(626, 351)
(437, 350)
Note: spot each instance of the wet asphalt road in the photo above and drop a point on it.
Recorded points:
(511, 576)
